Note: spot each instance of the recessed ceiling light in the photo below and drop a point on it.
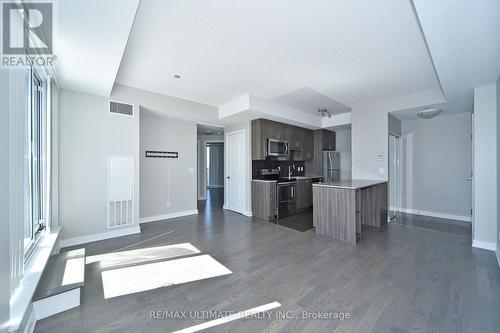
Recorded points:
(177, 76)
(428, 113)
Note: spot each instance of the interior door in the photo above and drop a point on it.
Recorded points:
(235, 177)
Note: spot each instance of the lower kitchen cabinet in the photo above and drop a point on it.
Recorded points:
(264, 200)
(304, 193)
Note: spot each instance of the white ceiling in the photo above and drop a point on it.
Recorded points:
(207, 129)
(459, 104)
(89, 41)
(464, 41)
(350, 51)
(309, 100)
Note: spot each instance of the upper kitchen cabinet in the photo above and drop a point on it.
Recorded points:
(260, 131)
(300, 140)
(328, 140)
(296, 138)
(308, 145)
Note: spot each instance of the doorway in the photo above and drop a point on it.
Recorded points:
(214, 165)
(395, 183)
(210, 166)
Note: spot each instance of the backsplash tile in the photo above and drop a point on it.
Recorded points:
(271, 164)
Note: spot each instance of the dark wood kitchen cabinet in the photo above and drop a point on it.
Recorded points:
(304, 193)
(296, 138)
(258, 143)
(264, 200)
(263, 129)
(328, 140)
(300, 140)
(308, 145)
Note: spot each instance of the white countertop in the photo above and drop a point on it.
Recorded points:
(352, 184)
(294, 177)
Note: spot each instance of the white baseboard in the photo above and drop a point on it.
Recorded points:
(498, 257)
(100, 236)
(248, 213)
(484, 245)
(435, 214)
(167, 216)
(58, 303)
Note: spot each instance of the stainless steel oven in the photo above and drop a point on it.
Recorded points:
(287, 202)
(277, 147)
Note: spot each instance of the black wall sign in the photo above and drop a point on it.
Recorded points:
(162, 154)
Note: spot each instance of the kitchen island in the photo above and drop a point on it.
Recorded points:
(340, 208)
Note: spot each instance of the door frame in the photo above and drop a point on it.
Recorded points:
(207, 157)
(398, 173)
(242, 209)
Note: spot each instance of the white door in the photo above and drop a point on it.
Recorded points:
(235, 171)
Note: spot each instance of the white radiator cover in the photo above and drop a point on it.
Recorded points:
(120, 191)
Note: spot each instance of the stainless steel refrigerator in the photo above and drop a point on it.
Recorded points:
(331, 166)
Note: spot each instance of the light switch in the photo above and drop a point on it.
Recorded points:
(380, 156)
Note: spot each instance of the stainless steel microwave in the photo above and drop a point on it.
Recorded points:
(276, 147)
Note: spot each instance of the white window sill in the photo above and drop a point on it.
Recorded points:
(21, 299)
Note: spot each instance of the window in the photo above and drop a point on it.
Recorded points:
(35, 223)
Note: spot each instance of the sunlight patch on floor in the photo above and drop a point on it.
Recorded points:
(74, 271)
(129, 280)
(232, 317)
(113, 259)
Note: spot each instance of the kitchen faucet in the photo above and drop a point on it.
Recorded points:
(290, 170)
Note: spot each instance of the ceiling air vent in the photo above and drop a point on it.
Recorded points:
(121, 108)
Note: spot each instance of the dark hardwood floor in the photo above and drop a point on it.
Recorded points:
(398, 279)
(433, 223)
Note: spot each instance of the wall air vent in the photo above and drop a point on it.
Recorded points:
(121, 108)
(120, 191)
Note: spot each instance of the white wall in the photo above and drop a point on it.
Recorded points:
(498, 168)
(343, 146)
(370, 131)
(202, 160)
(247, 129)
(436, 160)
(485, 166)
(166, 106)
(88, 133)
(167, 185)
(369, 138)
(4, 202)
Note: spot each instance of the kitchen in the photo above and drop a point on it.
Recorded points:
(297, 182)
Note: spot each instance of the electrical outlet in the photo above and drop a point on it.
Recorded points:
(169, 204)
(381, 171)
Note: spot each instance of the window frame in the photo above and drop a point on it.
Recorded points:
(37, 176)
